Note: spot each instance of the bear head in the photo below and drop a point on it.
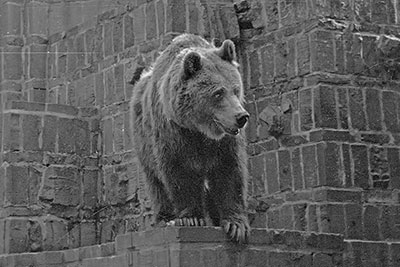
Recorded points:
(208, 92)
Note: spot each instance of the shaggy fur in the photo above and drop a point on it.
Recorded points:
(187, 134)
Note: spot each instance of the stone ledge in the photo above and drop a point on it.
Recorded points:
(196, 246)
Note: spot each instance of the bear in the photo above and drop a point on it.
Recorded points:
(188, 116)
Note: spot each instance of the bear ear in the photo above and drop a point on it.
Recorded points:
(191, 64)
(216, 42)
(227, 51)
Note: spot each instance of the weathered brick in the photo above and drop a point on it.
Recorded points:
(108, 136)
(99, 85)
(300, 222)
(374, 110)
(371, 222)
(353, 218)
(332, 218)
(56, 235)
(139, 26)
(297, 169)
(285, 173)
(16, 235)
(303, 55)
(129, 36)
(267, 59)
(257, 172)
(281, 58)
(390, 113)
(357, 115)
(310, 166)
(271, 167)
(379, 12)
(108, 39)
(286, 217)
(360, 161)
(306, 113)
(393, 160)
(272, 12)
(17, 191)
(110, 90)
(343, 107)
(117, 35)
(37, 17)
(31, 128)
(13, 61)
(10, 19)
(119, 82)
(151, 22)
(80, 50)
(329, 164)
(322, 52)
(325, 107)
(254, 69)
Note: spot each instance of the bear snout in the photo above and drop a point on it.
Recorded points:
(241, 119)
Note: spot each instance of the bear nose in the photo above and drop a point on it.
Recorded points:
(241, 119)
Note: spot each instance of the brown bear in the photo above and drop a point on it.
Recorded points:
(187, 113)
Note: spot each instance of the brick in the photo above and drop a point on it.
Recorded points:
(71, 55)
(129, 36)
(99, 85)
(387, 222)
(393, 160)
(343, 107)
(38, 17)
(254, 69)
(357, 115)
(110, 90)
(328, 164)
(257, 172)
(31, 128)
(268, 65)
(373, 110)
(332, 218)
(325, 107)
(117, 35)
(272, 12)
(108, 136)
(139, 26)
(310, 166)
(13, 60)
(88, 233)
(286, 217)
(281, 58)
(379, 12)
(371, 222)
(175, 20)
(322, 52)
(119, 82)
(56, 235)
(297, 169)
(10, 19)
(66, 141)
(108, 39)
(271, 167)
(360, 161)
(17, 191)
(16, 236)
(300, 222)
(306, 113)
(80, 50)
(303, 55)
(353, 218)
(390, 112)
(151, 22)
(285, 173)
(12, 136)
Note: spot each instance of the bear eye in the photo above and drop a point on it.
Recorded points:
(218, 94)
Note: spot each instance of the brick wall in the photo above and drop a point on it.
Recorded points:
(321, 81)
(322, 90)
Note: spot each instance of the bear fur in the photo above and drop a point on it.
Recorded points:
(187, 113)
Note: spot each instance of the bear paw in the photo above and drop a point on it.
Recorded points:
(237, 229)
(188, 221)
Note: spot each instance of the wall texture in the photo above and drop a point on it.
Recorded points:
(322, 86)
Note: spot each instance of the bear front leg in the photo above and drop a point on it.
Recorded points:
(226, 204)
(187, 194)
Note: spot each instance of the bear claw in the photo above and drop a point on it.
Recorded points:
(236, 230)
(188, 221)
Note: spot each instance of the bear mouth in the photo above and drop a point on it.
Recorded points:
(228, 130)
